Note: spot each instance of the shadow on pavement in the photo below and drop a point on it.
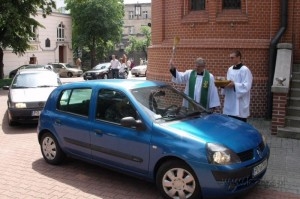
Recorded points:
(97, 180)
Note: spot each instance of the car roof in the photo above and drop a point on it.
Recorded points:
(123, 84)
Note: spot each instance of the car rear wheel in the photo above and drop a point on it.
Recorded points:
(69, 74)
(51, 150)
(175, 179)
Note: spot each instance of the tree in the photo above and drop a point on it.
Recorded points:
(137, 44)
(17, 22)
(96, 23)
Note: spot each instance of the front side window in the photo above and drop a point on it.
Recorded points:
(113, 105)
(197, 5)
(75, 101)
(61, 32)
(231, 4)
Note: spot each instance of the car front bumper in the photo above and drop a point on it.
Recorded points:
(24, 115)
(228, 181)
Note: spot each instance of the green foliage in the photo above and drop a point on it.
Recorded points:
(16, 22)
(137, 44)
(96, 24)
(5, 82)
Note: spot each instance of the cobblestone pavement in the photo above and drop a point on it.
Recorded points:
(24, 173)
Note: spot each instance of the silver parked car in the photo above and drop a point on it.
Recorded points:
(28, 93)
(66, 70)
(139, 70)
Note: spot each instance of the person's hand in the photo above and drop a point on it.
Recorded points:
(171, 64)
(230, 85)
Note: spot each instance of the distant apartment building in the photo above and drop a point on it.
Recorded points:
(53, 43)
(136, 16)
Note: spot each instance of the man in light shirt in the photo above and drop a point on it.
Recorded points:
(115, 65)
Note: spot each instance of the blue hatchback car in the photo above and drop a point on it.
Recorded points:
(152, 131)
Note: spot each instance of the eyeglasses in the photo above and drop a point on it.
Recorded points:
(232, 57)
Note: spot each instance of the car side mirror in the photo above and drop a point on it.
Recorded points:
(131, 122)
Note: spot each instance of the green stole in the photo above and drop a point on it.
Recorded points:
(204, 87)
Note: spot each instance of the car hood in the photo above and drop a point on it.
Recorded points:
(140, 67)
(30, 94)
(216, 128)
(74, 69)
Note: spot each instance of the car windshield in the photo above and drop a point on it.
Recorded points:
(166, 103)
(35, 80)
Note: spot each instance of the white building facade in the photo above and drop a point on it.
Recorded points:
(53, 43)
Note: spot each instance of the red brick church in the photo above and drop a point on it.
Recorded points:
(212, 29)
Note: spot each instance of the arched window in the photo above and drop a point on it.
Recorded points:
(47, 42)
(61, 32)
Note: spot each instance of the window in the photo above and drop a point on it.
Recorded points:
(197, 4)
(130, 15)
(33, 30)
(131, 30)
(61, 32)
(76, 101)
(47, 42)
(112, 106)
(145, 14)
(231, 4)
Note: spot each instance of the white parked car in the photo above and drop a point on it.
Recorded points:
(139, 70)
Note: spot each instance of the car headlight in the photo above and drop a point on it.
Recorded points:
(19, 105)
(219, 154)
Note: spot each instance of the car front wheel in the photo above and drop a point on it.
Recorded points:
(175, 179)
(51, 150)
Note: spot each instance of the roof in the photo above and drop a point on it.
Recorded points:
(115, 83)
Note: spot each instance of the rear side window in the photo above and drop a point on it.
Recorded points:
(75, 101)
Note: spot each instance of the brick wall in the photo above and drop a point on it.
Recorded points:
(214, 33)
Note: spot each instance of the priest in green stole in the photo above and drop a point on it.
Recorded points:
(200, 84)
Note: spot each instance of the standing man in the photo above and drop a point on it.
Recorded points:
(114, 65)
(200, 84)
(237, 92)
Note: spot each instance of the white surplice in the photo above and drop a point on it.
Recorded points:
(213, 97)
(237, 99)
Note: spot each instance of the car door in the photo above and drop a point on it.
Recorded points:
(113, 144)
(72, 121)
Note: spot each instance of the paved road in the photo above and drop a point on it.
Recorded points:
(24, 173)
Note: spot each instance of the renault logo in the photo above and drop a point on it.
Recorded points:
(259, 153)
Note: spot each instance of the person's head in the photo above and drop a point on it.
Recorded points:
(200, 64)
(113, 57)
(235, 57)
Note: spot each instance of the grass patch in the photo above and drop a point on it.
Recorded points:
(5, 82)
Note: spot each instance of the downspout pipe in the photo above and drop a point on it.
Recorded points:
(273, 53)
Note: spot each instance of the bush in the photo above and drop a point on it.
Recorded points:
(5, 82)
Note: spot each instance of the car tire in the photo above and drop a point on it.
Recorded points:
(51, 150)
(69, 74)
(175, 179)
(137, 75)
(105, 76)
